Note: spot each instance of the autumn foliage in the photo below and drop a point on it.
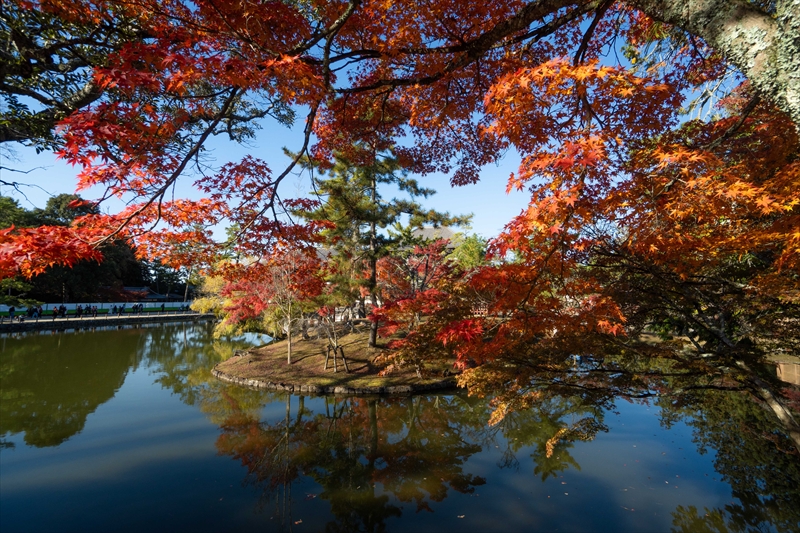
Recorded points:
(643, 215)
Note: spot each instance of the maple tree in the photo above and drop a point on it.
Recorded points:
(273, 289)
(173, 75)
(87, 280)
(641, 217)
(414, 284)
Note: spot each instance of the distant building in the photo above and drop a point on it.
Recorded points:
(146, 294)
(433, 234)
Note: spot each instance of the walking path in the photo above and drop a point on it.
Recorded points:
(72, 322)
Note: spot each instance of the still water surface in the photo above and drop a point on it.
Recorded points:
(126, 430)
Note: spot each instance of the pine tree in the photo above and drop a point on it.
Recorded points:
(353, 202)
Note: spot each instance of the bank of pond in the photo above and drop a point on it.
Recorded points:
(127, 430)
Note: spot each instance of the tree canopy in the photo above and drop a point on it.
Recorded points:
(659, 145)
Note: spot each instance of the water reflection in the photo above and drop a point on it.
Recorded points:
(52, 381)
(369, 456)
(751, 454)
(369, 464)
(360, 452)
(550, 428)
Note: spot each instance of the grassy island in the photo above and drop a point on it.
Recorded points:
(266, 367)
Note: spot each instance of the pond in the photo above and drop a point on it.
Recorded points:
(126, 430)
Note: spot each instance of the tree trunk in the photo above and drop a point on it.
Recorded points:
(301, 405)
(372, 407)
(373, 327)
(763, 391)
(373, 270)
(764, 47)
(186, 290)
(289, 335)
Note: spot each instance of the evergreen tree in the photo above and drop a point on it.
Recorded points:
(353, 202)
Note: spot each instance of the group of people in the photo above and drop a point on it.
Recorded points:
(61, 311)
(80, 310)
(135, 309)
(33, 311)
(36, 311)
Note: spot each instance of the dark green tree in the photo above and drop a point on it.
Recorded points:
(353, 201)
(46, 72)
(86, 280)
(11, 214)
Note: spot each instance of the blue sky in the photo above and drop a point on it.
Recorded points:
(491, 206)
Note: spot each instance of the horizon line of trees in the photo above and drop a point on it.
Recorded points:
(87, 280)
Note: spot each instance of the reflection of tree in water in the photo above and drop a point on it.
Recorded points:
(346, 479)
(183, 355)
(368, 456)
(51, 383)
(551, 428)
(753, 455)
(361, 452)
(371, 455)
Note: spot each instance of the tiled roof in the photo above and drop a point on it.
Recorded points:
(432, 234)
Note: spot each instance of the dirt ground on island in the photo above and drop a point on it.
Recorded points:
(269, 364)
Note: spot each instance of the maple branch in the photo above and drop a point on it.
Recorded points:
(18, 171)
(716, 142)
(587, 35)
(310, 118)
(476, 48)
(16, 185)
(274, 198)
(158, 195)
(734, 127)
(315, 38)
(540, 32)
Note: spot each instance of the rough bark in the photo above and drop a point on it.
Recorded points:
(765, 47)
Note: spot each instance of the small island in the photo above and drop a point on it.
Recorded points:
(266, 368)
